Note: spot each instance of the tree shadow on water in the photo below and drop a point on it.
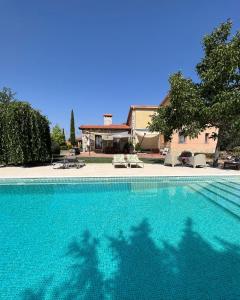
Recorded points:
(191, 270)
(40, 292)
(143, 269)
(204, 272)
(85, 280)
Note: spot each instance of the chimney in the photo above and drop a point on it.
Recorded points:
(107, 119)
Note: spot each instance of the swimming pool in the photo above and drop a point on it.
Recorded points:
(120, 238)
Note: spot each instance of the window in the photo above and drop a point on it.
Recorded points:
(181, 138)
(98, 142)
(206, 138)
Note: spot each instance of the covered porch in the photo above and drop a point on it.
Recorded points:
(109, 143)
(146, 140)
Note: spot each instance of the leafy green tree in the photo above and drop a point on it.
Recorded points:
(57, 135)
(7, 95)
(72, 130)
(231, 138)
(24, 132)
(214, 101)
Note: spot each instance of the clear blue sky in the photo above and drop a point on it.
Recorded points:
(101, 56)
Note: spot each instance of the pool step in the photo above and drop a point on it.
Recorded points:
(221, 193)
(231, 194)
(218, 199)
(232, 185)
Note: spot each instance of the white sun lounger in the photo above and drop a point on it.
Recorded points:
(133, 160)
(119, 160)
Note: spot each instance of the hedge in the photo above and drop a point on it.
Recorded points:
(24, 134)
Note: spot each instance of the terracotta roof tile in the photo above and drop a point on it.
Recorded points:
(144, 106)
(112, 126)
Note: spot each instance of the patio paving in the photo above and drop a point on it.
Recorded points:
(107, 170)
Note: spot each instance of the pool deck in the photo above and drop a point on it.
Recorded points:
(107, 170)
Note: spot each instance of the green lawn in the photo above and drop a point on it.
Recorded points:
(153, 160)
(103, 160)
(96, 160)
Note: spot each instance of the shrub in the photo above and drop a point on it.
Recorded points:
(24, 134)
(69, 146)
(186, 154)
(236, 151)
(63, 147)
(58, 135)
(138, 147)
(55, 148)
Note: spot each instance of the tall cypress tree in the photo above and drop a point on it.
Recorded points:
(72, 130)
(63, 134)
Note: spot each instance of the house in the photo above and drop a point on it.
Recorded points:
(203, 143)
(139, 117)
(107, 138)
(113, 138)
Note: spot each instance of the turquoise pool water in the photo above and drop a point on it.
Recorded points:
(120, 238)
